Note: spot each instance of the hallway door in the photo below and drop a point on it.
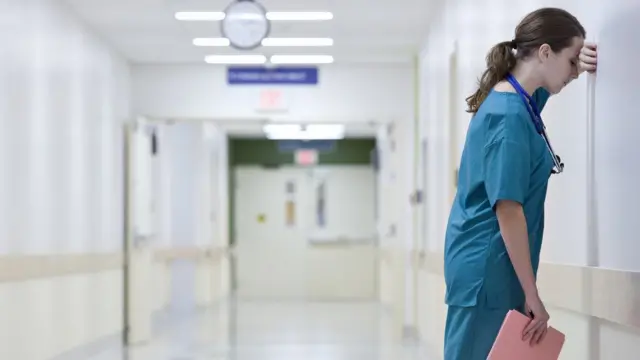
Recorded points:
(270, 230)
(140, 228)
(306, 233)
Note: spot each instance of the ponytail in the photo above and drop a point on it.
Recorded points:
(500, 61)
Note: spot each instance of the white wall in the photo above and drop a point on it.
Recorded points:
(617, 174)
(191, 203)
(64, 96)
(395, 223)
(222, 189)
(344, 93)
(183, 146)
(475, 26)
(189, 183)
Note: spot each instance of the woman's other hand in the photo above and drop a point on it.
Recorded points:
(537, 327)
(587, 60)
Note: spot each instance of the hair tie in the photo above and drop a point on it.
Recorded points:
(513, 44)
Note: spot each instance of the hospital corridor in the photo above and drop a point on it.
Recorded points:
(273, 179)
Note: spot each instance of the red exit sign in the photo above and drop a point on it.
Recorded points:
(306, 157)
(272, 100)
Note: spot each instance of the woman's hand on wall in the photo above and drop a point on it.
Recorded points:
(588, 58)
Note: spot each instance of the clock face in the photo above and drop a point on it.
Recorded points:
(245, 24)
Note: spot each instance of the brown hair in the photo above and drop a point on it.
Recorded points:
(552, 26)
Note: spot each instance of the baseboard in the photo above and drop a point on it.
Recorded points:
(112, 343)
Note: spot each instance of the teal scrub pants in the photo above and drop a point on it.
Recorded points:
(471, 331)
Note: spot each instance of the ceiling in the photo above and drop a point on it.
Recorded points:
(248, 129)
(369, 31)
(253, 128)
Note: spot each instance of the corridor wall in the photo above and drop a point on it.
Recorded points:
(395, 227)
(191, 252)
(65, 95)
(344, 93)
(589, 278)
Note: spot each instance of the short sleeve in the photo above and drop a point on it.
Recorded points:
(506, 170)
(541, 96)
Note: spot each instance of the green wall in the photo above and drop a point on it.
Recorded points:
(243, 151)
(265, 152)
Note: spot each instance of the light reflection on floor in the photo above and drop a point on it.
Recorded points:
(274, 331)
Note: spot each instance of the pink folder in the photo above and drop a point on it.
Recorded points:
(510, 346)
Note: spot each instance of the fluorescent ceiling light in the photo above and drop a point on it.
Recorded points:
(281, 128)
(304, 132)
(301, 59)
(236, 59)
(300, 16)
(274, 16)
(268, 42)
(200, 15)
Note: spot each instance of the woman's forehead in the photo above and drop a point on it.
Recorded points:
(576, 46)
(578, 43)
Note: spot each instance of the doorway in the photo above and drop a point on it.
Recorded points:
(305, 233)
(139, 229)
(176, 233)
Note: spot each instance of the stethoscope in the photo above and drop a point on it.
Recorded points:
(532, 107)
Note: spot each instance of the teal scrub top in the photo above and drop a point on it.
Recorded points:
(504, 158)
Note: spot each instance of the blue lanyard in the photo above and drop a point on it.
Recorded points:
(532, 107)
(534, 111)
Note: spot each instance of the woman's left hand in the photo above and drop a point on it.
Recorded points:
(588, 58)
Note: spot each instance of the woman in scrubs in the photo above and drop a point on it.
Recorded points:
(494, 232)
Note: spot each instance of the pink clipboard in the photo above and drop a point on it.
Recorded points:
(509, 344)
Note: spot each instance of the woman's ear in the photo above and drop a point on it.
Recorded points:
(544, 51)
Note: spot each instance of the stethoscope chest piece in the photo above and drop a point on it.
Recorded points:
(532, 107)
(559, 165)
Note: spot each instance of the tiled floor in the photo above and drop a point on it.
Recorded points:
(275, 331)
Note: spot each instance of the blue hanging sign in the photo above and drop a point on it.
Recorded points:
(294, 145)
(244, 75)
